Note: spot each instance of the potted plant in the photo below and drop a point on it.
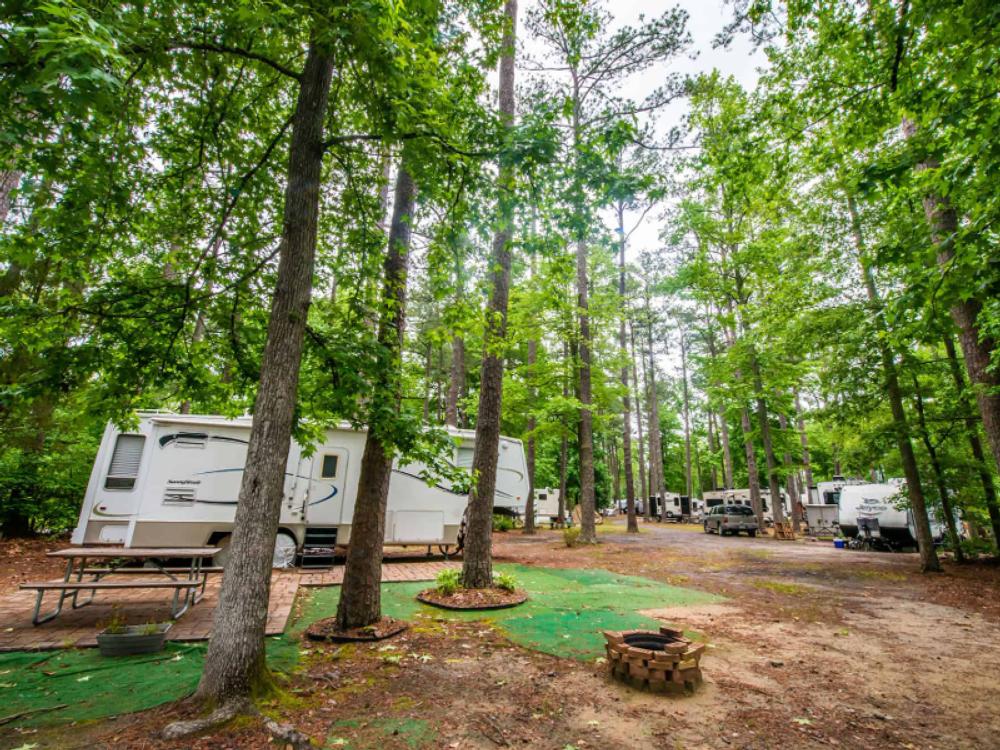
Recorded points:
(121, 639)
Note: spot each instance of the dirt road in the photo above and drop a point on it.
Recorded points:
(819, 646)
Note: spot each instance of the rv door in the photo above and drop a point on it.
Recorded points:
(325, 498)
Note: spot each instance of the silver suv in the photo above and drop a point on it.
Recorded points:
(730, 519)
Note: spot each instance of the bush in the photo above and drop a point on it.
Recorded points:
(505, 582)
(502, 523)
(448, 582)
(975, 547)
(571, 536)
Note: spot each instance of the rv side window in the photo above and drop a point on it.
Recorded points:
(542, 496)
(464, 457)
(125, 462)
(329, 467)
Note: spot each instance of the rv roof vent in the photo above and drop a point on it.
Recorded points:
(178, 496)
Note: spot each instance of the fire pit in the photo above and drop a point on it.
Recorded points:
(662, 662)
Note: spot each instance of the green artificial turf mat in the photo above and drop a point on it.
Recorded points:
(414, 733)
(91, 686)
(564, 615)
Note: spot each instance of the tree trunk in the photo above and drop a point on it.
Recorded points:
(727, 454)
(976, 348)
(985, 477)
(641, 461)
(655, 442)
(234, 665)
(633, 526)
(712, 449)
(529, 508)
(753, 474)
(563, 464)
(777, 509)
(9, 180)
(616, 480)
(687, 416)
(791, 485)
(804, 441)
(360, 595)
(456, 386)
(942, 485)
(588, 505)
(428, 354)
(477, 566)
(928, 556)
(647, 510)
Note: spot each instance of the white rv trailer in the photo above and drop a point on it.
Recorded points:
(547, 506)
(175, 481)
(680, 507)
(881, 507)
(822, 505)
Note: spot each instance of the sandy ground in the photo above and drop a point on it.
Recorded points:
(814, 647)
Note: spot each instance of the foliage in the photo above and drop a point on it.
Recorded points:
(447, 582)
(571, 536)
(505, 582)
(502, 522)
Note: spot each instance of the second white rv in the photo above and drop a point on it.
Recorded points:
(883, 508)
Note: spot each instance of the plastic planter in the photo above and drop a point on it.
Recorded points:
(134, 639)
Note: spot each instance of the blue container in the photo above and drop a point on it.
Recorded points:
(838, 543)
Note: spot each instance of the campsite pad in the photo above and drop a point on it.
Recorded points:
(93, 686)
(565, 613)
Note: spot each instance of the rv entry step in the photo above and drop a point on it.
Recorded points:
(319, 547)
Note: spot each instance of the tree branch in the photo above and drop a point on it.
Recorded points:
(238, 51)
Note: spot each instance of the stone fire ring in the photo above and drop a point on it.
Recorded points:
(661, 662)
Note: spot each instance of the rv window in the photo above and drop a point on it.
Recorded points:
(542, 496)
(329, 467)
(125, 462)
(464, 457)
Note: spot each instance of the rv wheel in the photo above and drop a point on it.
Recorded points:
(285, 549)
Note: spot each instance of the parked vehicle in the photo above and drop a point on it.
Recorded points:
(742, 497)
(730, 519)
(175, 481)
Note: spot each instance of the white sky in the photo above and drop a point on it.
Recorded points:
(705, 19)
(741, 60)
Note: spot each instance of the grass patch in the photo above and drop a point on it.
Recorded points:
(90, 686)
(882, 575)
(564, 615)
(780, 587)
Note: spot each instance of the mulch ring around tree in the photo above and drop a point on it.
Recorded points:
(327, 630)
(491, 598)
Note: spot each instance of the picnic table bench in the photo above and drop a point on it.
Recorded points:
(190, 579)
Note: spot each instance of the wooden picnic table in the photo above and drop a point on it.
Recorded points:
(189, 579)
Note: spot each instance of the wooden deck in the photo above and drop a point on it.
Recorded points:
(78, 628)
